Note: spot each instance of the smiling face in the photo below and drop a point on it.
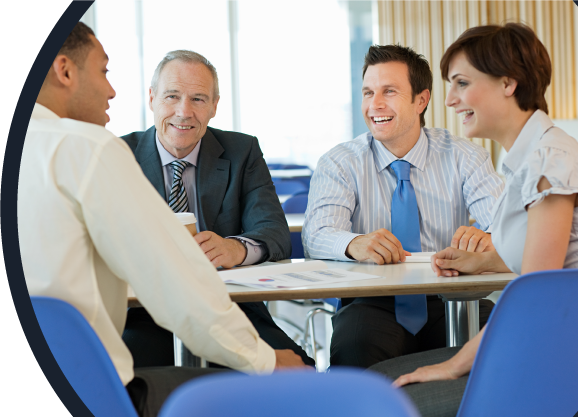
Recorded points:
(484, 102)
(183, 105)
(92, 91)
(390, 111)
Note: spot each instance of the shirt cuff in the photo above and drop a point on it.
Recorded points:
(266, 358)
(254, 250)
(489, 229)
(341, 243)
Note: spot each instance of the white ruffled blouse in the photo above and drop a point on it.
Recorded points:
(541, 150)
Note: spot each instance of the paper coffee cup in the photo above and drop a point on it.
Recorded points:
(189, 221)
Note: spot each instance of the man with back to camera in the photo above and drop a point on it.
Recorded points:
(400, 187)
(218, 175)
(84, 235)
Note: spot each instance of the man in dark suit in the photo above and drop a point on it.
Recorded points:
(218, 175)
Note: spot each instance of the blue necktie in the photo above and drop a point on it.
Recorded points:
(410, 310)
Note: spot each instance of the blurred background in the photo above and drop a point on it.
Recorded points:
(290, 71)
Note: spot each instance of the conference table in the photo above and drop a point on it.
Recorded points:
(461, 294)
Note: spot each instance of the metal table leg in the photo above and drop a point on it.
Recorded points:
(183, 357)
(462, 322)
(462, 317)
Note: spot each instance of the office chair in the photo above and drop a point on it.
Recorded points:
(82, 358)
(293, 172)
(341, 393)
(288, 186)
(527, 362)
(297, 203)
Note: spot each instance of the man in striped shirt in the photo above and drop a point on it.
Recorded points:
(349, 212)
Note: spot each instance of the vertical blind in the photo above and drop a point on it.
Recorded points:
(430, 27)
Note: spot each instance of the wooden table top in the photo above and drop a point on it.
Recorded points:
(406, 278)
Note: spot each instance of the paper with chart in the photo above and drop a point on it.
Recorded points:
(294, 275)
(419, 257)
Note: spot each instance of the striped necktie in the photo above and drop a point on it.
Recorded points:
(178, 196)
(410, 310)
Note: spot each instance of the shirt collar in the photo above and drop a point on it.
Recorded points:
(43, 112)
(525, 143)
(416, 156)
(167, 157)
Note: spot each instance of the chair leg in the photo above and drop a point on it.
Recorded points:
(310, 329)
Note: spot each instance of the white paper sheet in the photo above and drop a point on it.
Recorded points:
(419, 257)
(297, 275)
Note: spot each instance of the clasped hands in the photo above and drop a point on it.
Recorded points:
(382, 247)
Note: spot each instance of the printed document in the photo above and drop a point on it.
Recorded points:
(294, 275)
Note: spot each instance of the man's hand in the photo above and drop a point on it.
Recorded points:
(472, 239)
(221, 252)
(381, 246)
(286, 358)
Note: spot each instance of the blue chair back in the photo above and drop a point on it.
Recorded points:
(297, 251)
(305, 394)
(527, 362)
(82, 358)
(288, 187)
(335, 302)
(295, 166)
(297, 203)
(275, 166)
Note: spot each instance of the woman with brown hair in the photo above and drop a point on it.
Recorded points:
(498, 76)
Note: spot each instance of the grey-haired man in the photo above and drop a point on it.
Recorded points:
(227, 185)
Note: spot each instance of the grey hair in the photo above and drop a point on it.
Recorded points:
(187, 57)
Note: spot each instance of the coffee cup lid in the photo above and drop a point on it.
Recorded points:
(186, 218)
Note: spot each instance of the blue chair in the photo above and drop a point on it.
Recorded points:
(82, 358)
(297, 251)
(297, 203)
(275, 166)
(288, 187)
(527, 362)
(302, 173)
(344, 392)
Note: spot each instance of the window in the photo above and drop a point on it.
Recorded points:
(291, 61)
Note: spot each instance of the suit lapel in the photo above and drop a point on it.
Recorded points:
(212, 180)
(147, 156)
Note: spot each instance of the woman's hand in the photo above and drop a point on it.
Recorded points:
(439, 372)
(459, 365)
(450, 262)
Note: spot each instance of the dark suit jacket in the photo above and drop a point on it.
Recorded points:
(235, 194)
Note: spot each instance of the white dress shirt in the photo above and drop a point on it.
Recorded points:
(353, 184)
(189, 177)
(90, 224)
(540, 150)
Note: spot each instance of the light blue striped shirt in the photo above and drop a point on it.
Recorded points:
(352, 186)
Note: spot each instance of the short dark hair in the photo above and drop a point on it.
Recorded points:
(420, 75)
(512, 50)
(78, 44)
